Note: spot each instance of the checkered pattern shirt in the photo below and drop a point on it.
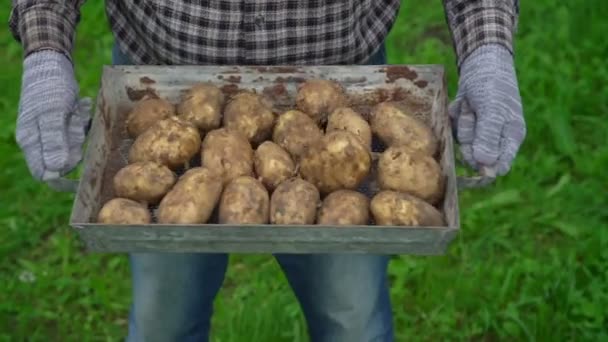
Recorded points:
(258, 32)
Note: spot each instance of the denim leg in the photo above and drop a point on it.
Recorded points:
(173, 296)
(379, 57)
(345, 298)
(118, 57)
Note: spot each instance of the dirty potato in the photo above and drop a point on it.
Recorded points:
(227, 152)
(317, 98)
(338, 161)
(395, 127)
(251, 114)
(344, 207)
(392, 208)
(202, 106)
(124, 211)
(272, 164)
(295, 132)
(192, 199)
(244, 201)
(294, 201)
(406, 170)
(143, 182)
(146, 113)
(347, 119)
(171, 142)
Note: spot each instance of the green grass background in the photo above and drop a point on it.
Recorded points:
(530, 264)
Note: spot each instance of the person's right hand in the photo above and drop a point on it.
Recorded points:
(52, 120)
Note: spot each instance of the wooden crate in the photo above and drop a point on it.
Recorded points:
(421, 88)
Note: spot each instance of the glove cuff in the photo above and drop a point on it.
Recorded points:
(487, 58)
(46, 64)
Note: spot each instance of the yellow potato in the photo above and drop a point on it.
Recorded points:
(338, 161)
(227, 152)
(347, 119)
(273, 164)
(406, 170)
(296, 132)
(344, 207)
(251, 114)
(317, 98)
(391, 208)
(394, 127)
(146, 113)
(244, 201)
(192, 199)
(294, 201)
(202, 106)
(124, 211)
(171, 142)
(143, 182)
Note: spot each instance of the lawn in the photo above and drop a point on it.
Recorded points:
(530, 264)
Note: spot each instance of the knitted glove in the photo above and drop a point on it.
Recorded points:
(487, 111)
(51, 121)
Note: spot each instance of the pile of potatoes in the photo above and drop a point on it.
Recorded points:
(241, 159)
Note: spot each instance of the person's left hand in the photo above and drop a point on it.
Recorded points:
(487, 111)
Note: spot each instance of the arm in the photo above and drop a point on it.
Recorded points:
(487, 111)
(474, 23)
(45, 25)
(51, 120)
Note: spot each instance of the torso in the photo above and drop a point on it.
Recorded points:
(251, 32)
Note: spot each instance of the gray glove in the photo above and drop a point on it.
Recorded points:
(487, 111)
(51, 121)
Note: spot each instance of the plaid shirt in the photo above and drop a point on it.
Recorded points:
(253, 31)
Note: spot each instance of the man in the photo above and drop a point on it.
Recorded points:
(344, 298)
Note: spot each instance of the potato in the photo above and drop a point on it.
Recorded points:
(202, 106)
(317, 98)
(392, 208)
(227, 152)
(171, 142)
(124, 211)
(295, 132)
(251, 114)
(192, 199)
(338, 161)
(347, 119)
(272, 164)
(143, 182)
(395, 127)
(146, 113)
(344, 207)
(406, 170)
(244, 201)
(294, 201)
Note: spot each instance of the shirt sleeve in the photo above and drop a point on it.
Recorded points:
(45, 24)
(474, 23)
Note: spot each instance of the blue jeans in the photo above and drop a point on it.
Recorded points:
(345, 298)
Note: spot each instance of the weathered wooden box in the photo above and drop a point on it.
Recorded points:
(422, 88)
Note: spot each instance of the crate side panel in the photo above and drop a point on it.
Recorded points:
(262, 239)
(443, 129)
(97, 150)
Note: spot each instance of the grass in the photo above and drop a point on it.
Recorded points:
(530, 264)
